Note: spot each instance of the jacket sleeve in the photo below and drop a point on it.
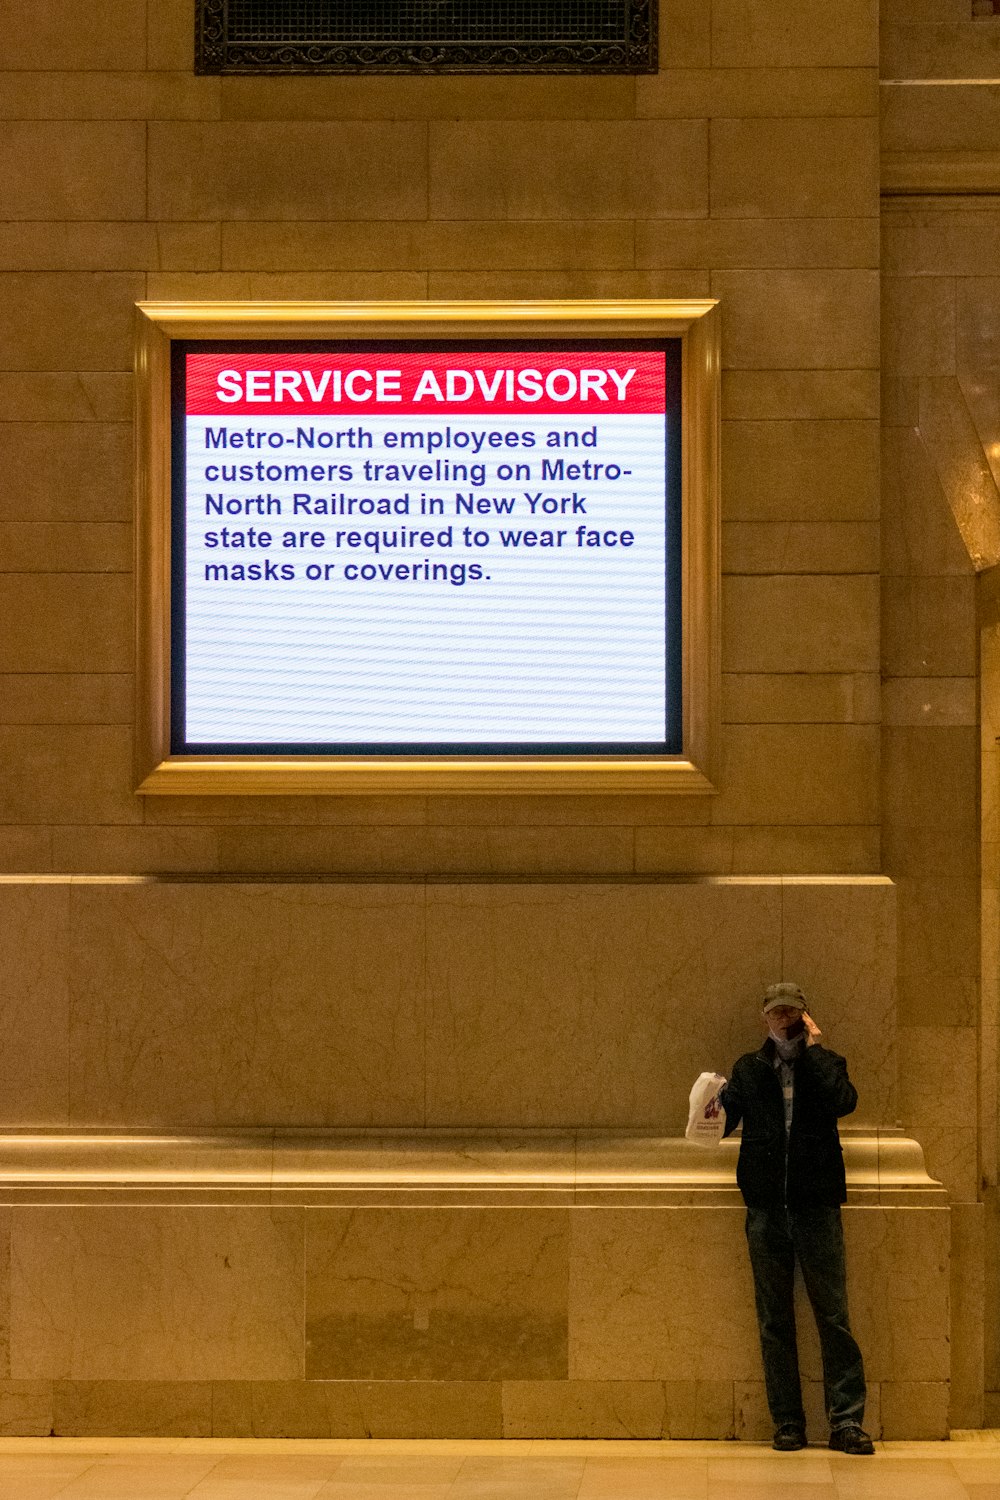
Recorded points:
(731, 1098)
(830, 1080)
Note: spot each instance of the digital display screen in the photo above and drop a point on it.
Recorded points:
(462, 547)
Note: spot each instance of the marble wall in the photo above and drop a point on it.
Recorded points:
(196, 1005)
(469, 1321)
(187, 1007)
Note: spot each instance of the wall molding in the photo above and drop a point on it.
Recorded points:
(906, 173)
(470, 1168)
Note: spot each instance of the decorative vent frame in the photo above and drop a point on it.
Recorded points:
(625, 42)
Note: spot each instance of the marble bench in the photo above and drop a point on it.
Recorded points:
(306, 1166)
(433, 1284)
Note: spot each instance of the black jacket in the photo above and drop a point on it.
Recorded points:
(808, 1169)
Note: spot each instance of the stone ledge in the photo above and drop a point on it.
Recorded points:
(922, 172)
(282, 1167)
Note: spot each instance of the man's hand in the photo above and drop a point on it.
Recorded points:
(813, 1032)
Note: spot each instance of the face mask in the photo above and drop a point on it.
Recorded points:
(788, 1047)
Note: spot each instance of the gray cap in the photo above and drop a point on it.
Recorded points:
(783, 994)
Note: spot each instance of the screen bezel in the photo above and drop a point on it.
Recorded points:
(673, 717)
(167, 763)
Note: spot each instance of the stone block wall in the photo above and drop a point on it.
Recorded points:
(940, 529)
(746, 170)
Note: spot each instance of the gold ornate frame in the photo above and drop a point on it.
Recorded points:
(696, 323)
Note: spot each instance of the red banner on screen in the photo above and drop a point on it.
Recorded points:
(594, 382)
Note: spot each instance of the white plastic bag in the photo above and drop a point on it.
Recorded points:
(706, 1116)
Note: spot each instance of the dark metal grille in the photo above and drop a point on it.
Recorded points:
(420, 21)
(318, 36)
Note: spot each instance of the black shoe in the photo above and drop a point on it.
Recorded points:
(789, 1437)
(852, 1439)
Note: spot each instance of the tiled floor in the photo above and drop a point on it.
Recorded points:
(238, 1469)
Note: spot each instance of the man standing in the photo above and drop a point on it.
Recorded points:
(789, 1096)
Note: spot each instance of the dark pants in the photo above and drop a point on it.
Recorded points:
(776, 1238)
